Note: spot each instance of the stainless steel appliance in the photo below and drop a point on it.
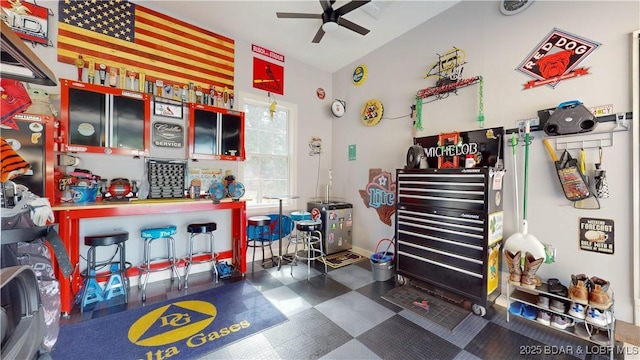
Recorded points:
(337, 222)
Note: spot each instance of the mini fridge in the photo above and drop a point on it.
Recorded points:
(337, 222)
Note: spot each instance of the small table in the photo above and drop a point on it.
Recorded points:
(280, 198)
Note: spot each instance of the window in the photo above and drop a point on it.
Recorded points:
(269, 165)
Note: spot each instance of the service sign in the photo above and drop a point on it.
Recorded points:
(556, 58)
(596, 235)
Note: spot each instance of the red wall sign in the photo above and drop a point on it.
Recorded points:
(268, 76)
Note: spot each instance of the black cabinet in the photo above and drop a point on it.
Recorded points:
(101, 119)
(215, 133)
(449, 231)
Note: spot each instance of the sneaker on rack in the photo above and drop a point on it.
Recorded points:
(543, 301)
(544, 317)
(558, 305)
(561, 322)
(599, 296)
(598, 317)
(577, 310)
(581, 330)
(579, 289)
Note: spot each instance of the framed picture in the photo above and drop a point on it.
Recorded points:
(167, 108)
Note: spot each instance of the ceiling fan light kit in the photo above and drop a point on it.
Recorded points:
(331, 18)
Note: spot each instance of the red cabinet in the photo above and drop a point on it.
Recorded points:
(102, 119)
(215, 133)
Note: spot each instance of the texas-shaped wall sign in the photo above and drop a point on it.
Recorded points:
(380, 194)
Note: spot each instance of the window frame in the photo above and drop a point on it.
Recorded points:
(268, 206)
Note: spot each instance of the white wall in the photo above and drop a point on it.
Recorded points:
(495, 45)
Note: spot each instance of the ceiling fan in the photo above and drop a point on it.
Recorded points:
(331, 18)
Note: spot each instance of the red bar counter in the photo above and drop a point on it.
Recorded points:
(69, 216)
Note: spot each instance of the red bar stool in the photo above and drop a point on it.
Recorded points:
(194, 230)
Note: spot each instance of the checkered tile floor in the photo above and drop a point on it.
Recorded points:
(341, 315)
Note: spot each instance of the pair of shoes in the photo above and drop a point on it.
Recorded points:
(592, 291)
(544, 317)
(525, 277)
(520, 309)
(561, 321)
(599, 317)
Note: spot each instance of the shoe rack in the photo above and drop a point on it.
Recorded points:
(582, 329)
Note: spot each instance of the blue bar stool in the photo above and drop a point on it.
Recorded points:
(152, 264)
(195, 230)
(118, 282)
(259, 235)
(310, 237)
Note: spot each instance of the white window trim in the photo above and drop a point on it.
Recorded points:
(287, 205)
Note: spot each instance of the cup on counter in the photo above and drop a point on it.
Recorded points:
(194, 191)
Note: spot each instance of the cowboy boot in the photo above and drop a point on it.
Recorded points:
(531, 265)
(515, 271)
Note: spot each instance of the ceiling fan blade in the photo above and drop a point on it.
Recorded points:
(319, 35)
(283, 15)
(352, 26)
(349, 7)
(326, 4)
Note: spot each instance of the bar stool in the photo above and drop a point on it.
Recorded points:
(151, 264)
(118, 282)
(309, 236)
(297, 216)
(259, 235)
(210, 256)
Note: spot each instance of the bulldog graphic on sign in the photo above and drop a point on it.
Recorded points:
(556, 58)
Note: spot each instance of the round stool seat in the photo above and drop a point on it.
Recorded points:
(308, 225)
(259, 220)
(106, 239)
(201, 228)
(300, 215)
(160, 232)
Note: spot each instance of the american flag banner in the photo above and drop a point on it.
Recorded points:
(125, 35)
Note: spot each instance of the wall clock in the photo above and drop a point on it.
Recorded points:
(512, 7)
(337, 108)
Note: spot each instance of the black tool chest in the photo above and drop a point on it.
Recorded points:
(449, 231)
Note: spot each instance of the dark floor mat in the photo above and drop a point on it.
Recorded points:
(431, 308)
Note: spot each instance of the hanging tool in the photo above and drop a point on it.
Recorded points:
(523, 241)
(602, 186)
(591, 201)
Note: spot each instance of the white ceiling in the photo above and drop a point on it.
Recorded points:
(255, 22)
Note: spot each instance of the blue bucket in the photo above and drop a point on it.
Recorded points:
(83, 194)
(380, 257)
